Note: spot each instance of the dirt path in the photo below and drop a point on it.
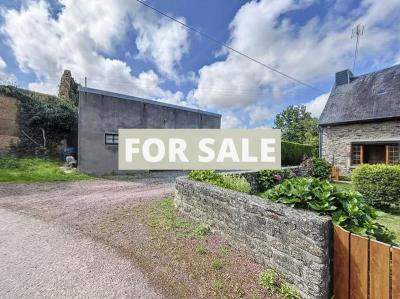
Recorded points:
(113, 239)
(49, 243)
(42, 261)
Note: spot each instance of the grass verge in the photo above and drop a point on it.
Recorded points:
(392, 222)
(35, 169)
(184, 258)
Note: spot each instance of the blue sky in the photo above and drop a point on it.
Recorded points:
(125, 47)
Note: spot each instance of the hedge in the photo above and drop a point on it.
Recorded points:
(379, 183)
(293, 153)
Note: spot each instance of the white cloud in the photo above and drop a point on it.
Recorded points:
(311, 52)
(77, 40)
(161, 40)
(230, 121)
(2, 64)
(316, 106)
(259, 115)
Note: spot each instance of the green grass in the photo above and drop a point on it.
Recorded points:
(35, 169)
(165, 217)
(343, 186)
(392, 222)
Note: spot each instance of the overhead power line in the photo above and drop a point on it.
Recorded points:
(225, 45)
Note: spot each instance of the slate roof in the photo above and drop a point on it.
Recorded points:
(369, 97)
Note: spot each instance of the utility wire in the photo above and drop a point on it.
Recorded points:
(225, 45)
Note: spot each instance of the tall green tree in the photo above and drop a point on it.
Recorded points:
(297, 125)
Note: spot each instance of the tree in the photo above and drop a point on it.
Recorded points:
(297, 125)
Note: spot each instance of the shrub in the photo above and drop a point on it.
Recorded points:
(379, 183)
(317, 168)
(234, 182)
(237, 183)
(266, 179)
(293, 153)
(347, 208)
(268, 279)
(289, 292)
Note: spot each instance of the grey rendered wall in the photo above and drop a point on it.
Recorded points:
(100, 114)
(296, 243)
(336, 140)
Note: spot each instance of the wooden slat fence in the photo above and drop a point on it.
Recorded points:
(364, 268)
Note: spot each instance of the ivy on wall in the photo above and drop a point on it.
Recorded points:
(43, 121)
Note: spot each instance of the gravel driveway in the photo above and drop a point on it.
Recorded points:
(48, 243)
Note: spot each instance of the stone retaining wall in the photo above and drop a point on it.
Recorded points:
(296, 243)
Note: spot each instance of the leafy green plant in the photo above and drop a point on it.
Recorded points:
(379, 184)
(347, 208)
(237, 183)
(289, 292)
(204, 176)
(202, 230)
(216, 285)
(268, 279)
(201, 249)
(217, 265)
(316, 167)
(266, 179)
(233, 182)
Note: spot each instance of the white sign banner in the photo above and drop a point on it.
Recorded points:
(180, 149)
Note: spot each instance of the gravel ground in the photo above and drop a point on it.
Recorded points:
(42, 261)
(51, 238)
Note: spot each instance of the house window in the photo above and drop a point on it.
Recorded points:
(393, 154)
(372, 153)
(356, 152)
(111, 139)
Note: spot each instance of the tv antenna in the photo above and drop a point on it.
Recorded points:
(356, 33)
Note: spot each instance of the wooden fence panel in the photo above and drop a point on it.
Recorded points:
(341, 252)
(364, 268)
(379, 270)
(395, 273)
(358, 267)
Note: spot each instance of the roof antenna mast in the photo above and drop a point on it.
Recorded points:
(356, 33)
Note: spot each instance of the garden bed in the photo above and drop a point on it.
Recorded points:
(295, 243)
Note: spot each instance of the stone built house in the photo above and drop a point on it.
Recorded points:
(361, 120)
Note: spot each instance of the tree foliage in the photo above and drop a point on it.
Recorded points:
(297, 125)
(43, 122)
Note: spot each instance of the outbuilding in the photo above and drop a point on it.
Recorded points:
(102, 113)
